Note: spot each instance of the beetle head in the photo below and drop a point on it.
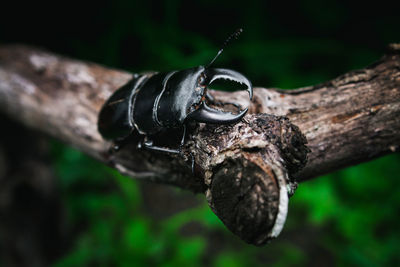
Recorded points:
(185, 92)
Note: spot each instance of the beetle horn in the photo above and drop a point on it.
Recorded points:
(209, 115)
(232, 75)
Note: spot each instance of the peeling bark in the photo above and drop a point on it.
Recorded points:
(246, 169)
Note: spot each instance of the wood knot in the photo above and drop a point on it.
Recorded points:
(249, 184)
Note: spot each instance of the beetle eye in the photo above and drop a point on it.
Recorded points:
(202, 80)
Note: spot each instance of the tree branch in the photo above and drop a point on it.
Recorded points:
(244, 169)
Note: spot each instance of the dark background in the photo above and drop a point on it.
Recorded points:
(57, 206)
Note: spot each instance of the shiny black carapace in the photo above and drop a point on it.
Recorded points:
(154, 103)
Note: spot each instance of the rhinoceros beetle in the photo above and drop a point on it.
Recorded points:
(156, 103)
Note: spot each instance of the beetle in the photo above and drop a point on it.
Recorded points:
(157, 103)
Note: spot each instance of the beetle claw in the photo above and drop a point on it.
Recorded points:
(209, 115)
(232, 75)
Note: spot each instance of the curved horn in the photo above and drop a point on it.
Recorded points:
(232, 75)
(210, 115)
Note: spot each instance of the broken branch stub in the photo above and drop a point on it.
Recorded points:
(247, 170)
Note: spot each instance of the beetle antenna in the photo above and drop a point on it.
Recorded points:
(233, 35)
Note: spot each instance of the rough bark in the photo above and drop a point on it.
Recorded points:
(246, 169)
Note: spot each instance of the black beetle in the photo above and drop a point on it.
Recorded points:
(158, 102)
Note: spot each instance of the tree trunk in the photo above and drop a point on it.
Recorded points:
(246, 170)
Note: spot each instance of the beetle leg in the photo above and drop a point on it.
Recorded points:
(182, 143)
(191, 155)
(183, 137)
(148, 144)
(161, 149)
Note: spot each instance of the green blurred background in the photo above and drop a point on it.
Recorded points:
(59, 207)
